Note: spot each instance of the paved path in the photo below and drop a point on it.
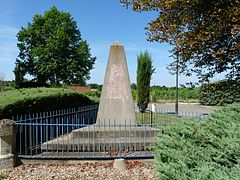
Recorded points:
(185, 108)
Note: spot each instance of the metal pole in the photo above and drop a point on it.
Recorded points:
(176, 103)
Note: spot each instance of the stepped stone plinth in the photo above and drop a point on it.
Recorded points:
(102, 139)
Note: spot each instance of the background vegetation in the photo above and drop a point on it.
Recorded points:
(51, 50)
(204, 34)
(163, 94)
(39, 99)
(144, 74)
(207, 149)
(220, 93)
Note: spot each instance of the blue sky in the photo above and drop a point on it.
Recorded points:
(100, 23)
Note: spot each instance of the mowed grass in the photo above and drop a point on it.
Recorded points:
(29, 100)
(10, 97)
(160, 119)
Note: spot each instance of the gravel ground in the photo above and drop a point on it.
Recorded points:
(136, 170)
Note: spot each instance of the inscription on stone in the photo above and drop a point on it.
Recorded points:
(117, 86)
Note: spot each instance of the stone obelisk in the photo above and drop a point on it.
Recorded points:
(116, 109)
(116, 102)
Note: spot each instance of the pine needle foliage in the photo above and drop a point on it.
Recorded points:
(206, 149)
(144, 74)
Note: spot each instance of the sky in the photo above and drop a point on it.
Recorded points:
(100, 23)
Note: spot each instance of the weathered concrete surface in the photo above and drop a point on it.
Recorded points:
(104, 139)
(120, 164)
(7, 144)
(190, 109)
(116, 101)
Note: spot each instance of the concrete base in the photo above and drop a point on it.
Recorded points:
(7, 161)
(104, 139)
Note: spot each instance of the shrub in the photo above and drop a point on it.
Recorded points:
(93, 95)
(144, 73)
(30, 84)
(39, 99)
(220, 93)
(207, 149)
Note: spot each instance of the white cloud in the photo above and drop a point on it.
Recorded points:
(8, 50)
(8, 32)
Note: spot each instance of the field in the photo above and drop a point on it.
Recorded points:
(167, 95)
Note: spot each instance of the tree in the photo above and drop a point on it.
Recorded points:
(205, 34)
(144, 73)
(19, 74)
(2, 83)
(133, 86)
(51, 49)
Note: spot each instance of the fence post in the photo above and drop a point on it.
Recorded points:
(7, 143)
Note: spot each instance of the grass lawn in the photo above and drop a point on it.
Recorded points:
(160, 119)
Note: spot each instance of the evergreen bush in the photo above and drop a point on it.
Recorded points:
(206, 149)
(144, 74)
(220, 93)
(31, 100)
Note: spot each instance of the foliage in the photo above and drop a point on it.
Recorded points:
(133, 86)
(205, 34)
(2, 82)
(93, 95)
(39, 99)
(168, 94)
(144, 73)
(51, 49)
(207, 149)
(95, 86)
(19, 74)
(30, 84)
(220, 93)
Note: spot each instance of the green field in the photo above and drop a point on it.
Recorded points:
(167, 95)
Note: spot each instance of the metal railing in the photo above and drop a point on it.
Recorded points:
(73, 134)
(37, 128)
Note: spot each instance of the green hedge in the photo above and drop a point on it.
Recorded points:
(39, 99)
(220, 93)
(201, 149)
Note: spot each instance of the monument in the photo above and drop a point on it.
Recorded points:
(116, 130)
(116, 102)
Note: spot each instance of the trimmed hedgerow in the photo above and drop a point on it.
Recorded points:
(39, 99)
(206, 149)
(220, 93)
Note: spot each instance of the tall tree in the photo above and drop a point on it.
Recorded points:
(19, 74)
(2, 83)
(144, 74)
(51, 49)
(205, 34)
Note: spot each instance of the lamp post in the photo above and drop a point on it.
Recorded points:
(176, 103)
